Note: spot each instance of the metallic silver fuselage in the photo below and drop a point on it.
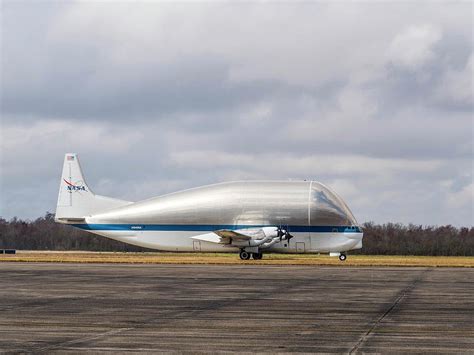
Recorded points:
(240, 203)
(298, 205)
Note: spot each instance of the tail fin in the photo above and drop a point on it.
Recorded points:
(76, 200)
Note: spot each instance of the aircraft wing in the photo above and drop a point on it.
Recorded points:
(226, 236)
(225, 233)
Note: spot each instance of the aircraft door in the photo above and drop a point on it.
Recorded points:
(196, 245)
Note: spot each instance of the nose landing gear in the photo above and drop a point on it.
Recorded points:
(342, 257)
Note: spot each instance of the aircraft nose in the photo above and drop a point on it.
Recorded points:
(328, 208)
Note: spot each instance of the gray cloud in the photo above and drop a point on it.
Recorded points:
(375, 100)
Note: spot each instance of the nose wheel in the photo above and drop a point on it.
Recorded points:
(342, 257)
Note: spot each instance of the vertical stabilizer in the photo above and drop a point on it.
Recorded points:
(76, 200)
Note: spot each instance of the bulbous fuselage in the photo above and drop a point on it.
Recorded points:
(317, 217)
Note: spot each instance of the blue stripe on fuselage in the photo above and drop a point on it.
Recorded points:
(211, 227)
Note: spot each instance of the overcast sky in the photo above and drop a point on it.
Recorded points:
(373, 99)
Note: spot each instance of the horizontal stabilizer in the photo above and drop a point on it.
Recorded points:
(71, 220)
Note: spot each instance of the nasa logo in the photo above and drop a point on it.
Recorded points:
(77, 187)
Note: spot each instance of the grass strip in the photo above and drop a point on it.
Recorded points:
(233, 259)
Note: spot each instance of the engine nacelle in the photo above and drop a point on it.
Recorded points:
(264, 238)
(251, 242)
(271, 232)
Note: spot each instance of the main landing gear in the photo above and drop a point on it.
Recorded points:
(245, 255)
(342, 257)
(257, 256)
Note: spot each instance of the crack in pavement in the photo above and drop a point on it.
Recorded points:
(407, 290)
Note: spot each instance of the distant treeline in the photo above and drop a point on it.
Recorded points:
(45, 234)
(387, 239)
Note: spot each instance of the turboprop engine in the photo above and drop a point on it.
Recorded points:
(264, 238)
(282, 235)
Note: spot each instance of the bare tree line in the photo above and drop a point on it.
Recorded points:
(45, 234)
(387, 239)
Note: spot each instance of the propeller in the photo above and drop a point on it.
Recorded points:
(284, 233)
(288, 236)
(280, 233)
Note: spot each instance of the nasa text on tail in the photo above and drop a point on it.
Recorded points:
(251, 217)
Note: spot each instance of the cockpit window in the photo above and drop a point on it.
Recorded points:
(322, 198)
(327, 208)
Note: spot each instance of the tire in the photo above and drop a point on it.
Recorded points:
(244, 255)
(342, 257)
(257, 256)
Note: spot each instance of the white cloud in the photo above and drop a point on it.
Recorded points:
(305, 167)
(413, 47)
(303, 43)
(457, 86)
(32, 145)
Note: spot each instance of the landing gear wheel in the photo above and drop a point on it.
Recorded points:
(244, 255)
(257, 256)
(342, 257)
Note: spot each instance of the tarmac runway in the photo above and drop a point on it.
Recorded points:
(197, 308)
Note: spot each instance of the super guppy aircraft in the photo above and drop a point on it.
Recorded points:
(251, 217)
